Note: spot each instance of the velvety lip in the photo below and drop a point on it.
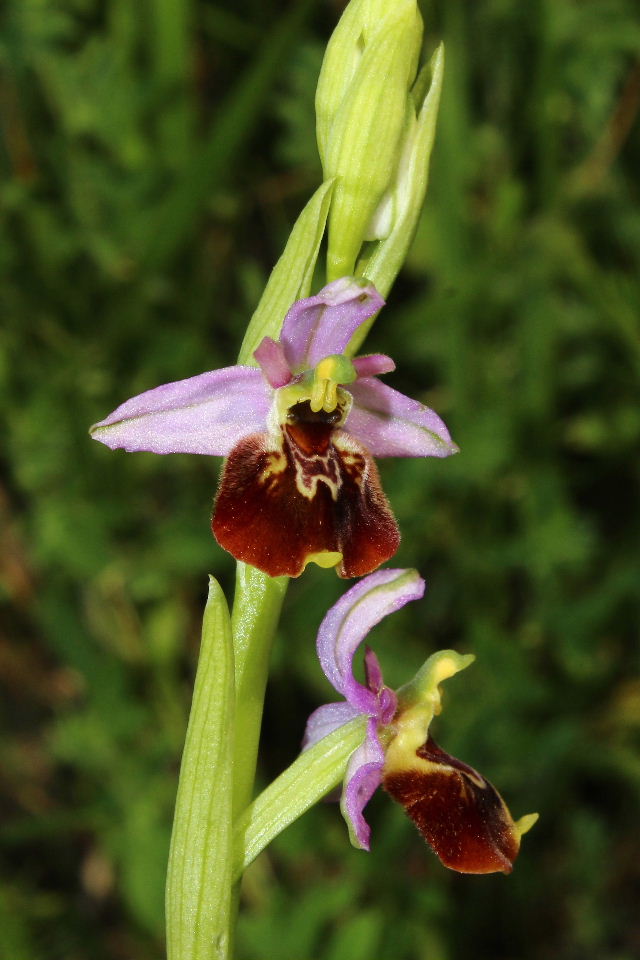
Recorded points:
(311, 490)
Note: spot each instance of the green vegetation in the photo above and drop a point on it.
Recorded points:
(154, 156)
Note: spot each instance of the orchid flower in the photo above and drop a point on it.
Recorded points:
(299, 432)
(458, 812)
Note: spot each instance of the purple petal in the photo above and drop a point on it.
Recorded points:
(373, 365)
(392, 425)
(387, 699)
(320, 326)
(349, 621)
(206, 414)
(373, 671)
(387, 706)
(270, 356)
(325, 720)
(362, 778)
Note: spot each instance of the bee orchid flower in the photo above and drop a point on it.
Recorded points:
(458, 812)
(300, 431)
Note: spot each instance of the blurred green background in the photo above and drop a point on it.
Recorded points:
(154, 155)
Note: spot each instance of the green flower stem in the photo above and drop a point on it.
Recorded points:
(256, 609)
(199, 879)
(312, 775)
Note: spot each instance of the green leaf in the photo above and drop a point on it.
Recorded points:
(199, 879)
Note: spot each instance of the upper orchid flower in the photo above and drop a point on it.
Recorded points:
(458, 812)
(299, 430)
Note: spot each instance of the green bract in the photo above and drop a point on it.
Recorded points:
(309, 778)
(397, 215)
(291, 277)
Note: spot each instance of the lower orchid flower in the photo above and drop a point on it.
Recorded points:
(458, 812)
(299, 432)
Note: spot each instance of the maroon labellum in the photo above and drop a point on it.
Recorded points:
(459, 813)
(313, 489)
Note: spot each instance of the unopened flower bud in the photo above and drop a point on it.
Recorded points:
(362, 103)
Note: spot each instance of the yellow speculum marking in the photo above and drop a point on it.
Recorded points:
(276, 464)
(309, 491)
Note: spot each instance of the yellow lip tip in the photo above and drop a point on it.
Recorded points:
(524, 824)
